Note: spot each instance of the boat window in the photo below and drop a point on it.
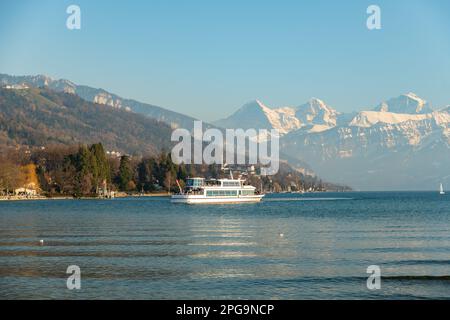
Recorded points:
(231, 184)
(248, 192)
(221, 193)
(194, 183)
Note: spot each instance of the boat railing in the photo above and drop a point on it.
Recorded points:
(194, 192)
(212, 183)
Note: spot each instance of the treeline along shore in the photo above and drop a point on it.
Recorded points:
(89, 171)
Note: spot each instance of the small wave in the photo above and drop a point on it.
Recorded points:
(417, 278)
(420, 262)
(347, 279)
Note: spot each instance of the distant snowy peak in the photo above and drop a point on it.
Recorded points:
(254, 106)
(405, 108)
(316, 112)
(367, 119)
(404, 112)
(256, 115)
(408, 103)
(253, 114)
(315, 104)
(314, 116)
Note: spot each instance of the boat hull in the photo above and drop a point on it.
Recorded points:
(189, 199)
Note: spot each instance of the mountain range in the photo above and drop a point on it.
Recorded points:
(99, 96)
(400, 144)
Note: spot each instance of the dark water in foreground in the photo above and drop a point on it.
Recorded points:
(151, 249)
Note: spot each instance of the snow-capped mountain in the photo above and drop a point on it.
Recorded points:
(378, 150)
(313, 116)
(100, 96)
(408, 103)
(400, 144)
(258, 116)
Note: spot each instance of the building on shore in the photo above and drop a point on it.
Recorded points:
(29, 185)
(25, 192)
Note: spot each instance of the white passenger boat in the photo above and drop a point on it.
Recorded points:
(199, 190)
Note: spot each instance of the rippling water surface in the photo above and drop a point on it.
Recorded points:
(287, 247)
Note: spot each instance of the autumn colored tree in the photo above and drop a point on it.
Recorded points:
(10, 177)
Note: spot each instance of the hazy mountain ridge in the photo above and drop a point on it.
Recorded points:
(100, 96)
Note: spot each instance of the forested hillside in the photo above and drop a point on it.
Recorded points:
(41, 117)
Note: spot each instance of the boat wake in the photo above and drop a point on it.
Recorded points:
(304, 199)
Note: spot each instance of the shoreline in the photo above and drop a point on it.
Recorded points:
(164, 194)
(40, 198)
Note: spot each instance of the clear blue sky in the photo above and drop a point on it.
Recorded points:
(207, 58)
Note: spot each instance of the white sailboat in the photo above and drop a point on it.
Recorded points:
(442, 190)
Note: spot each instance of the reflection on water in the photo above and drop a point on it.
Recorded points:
(287, 247)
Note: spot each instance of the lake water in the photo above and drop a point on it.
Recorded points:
(148, 248)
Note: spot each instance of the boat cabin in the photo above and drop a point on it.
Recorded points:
(198, 183)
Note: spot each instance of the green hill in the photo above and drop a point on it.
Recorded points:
(40, 117)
